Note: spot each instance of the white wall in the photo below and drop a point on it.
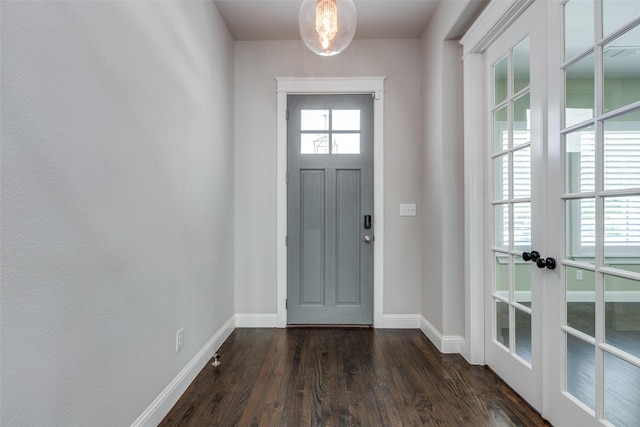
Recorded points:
(443, 304)
(256, 66)
(117, 203)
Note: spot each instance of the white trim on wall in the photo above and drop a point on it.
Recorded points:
(286, 86)
(401, 321)
(162, 404)
(256, 320)
(491, 23)
(448, 344)
(473, 352)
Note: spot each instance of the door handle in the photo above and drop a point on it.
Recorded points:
(368, 239)
(534, 256)
(549, 263)
(531, 256)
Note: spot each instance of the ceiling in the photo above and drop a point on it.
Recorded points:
(251, 20)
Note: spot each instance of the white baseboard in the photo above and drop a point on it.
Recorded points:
(269, 320)
(445, 343)
(161, 406)
(400, 321)
(256, 320)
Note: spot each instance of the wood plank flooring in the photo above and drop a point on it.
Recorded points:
(345, 377)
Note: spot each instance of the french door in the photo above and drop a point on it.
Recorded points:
(515, 208)
(562, 209)
(594, 151)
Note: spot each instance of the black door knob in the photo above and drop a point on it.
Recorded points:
(549, 263)
(531, 256)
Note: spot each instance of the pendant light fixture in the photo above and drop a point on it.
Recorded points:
(327, 26)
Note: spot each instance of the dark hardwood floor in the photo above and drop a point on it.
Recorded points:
(345, 377)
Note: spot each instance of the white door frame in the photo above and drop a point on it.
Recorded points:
(491, 23)
(343, 85)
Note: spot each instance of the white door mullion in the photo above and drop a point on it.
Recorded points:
(599, 250)
(599, 205)
(599, 261)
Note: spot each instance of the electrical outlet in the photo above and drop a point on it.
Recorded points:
(578, 274)
(179, 339)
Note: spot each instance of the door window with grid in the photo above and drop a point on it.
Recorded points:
(601, 145)
(512, 201)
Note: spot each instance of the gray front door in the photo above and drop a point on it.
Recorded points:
(330, 209)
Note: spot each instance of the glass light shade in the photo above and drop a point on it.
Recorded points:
(327, 26)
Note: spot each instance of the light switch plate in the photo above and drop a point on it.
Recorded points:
(408, 209)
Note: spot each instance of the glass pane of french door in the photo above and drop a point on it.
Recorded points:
(512, 200)
(601, 197)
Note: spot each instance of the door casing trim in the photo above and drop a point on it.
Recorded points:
(491, 23)
(340, 85)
